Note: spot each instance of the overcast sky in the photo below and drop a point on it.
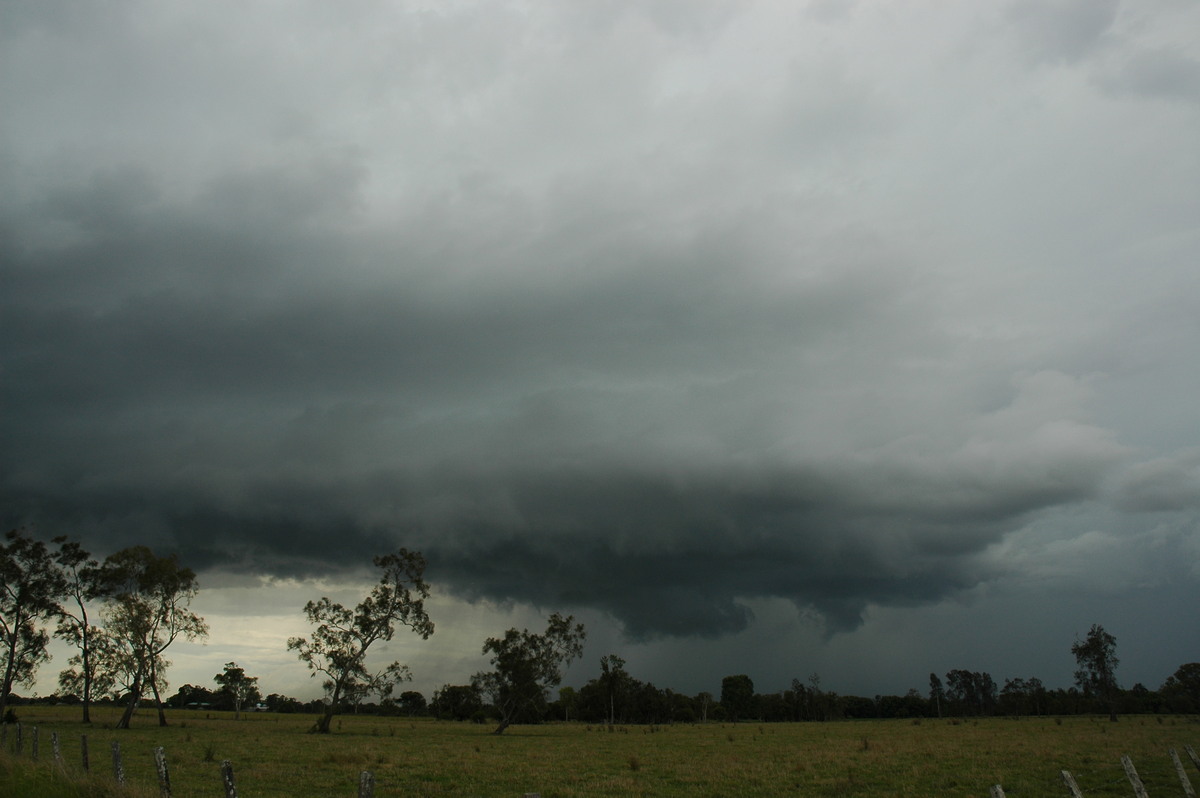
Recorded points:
(766, 337)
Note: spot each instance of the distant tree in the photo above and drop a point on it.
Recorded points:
(525, 665)
(567, 698)
(821, 703)
(239, 688)
(338, 647)
(937, 693)
(703, 702)
(456, 701)
(192, 695)
(411, 702)
(614, 678)
(282, 703)
(973, 692)
(82, 584)
(1182, 688)
(737, 697)
(1096, 656)
(147, 609)
(31, 586)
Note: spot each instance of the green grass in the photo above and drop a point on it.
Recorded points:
(273, 756)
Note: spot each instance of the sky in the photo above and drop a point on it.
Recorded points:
(776, 338)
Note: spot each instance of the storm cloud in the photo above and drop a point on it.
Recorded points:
(658, 310)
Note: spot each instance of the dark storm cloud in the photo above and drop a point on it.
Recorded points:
(640, 308)
(204, 373)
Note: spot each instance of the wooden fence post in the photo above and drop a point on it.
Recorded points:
(164, 778)
(1069, 780)
(996, 791)
(1191, 752)
(20, 741)
(83, 751)
(118, 768)
(1131, 773)
(366, 784)
(227, 779)
(1183, 776)
(57, 748)
(33, 744)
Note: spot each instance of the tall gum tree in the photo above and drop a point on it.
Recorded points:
(147, 609)
(31, 586)
(338, 646)
(526, 665)
(81, 580)
(1096, 656)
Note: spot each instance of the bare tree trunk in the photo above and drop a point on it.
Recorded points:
(135, 696)
(162, 716)
(87, 684)
(322, 724)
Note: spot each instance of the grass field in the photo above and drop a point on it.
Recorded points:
(273, 756)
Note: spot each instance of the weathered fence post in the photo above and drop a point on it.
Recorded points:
(118, 768)
(20, 741)
(996, 791)
(366, 784)
(57, 748)
(164, 778)
(1183, 776)
(33, 744)
(1069, 780)
(1131, 773)
(1191, 752)
(83, 751)
(227, 779)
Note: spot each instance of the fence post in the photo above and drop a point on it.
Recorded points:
(83, 751)
(366, 784)
(1069, 780)
(164, 779)
(996, 791)
(227, 779)
(1191, 752)
(20, 740)
(57, 748)
(1183, 776)
(1131, 773)
(33, 744)
(118, 768)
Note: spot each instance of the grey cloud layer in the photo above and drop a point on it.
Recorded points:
(648, 312)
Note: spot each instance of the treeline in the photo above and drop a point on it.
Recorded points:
(122, 614)
(970, 694)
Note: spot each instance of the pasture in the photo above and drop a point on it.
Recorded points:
(274, 757)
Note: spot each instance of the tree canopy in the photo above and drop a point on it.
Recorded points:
(30, 588)
(146, 610)
(526, 665)
(1096, 656)
(338, 646)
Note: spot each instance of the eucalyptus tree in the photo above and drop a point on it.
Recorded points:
(526, 665)
(614, 678)
(147, 608)
(31, 586)
(338, 646)
(82, 585)
(239, 687)
(1096, 657)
